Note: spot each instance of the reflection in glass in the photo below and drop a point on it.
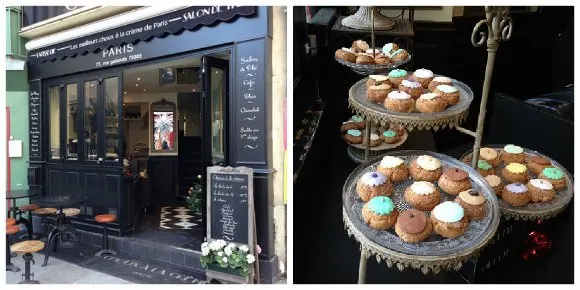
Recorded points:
(163, 136)
(54, 123)
(91, 107)
(71, 122)
(112, 119)
(217, 116)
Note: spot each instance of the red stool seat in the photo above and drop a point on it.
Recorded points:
(10, 222)
(105, 218)
(29, 207)
(10, 230)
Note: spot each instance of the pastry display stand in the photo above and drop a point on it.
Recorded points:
(356, 152)
(432, 255)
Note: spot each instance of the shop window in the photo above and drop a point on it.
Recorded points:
(112, 119)
(90, 128)
(54, 121)
(72, 122)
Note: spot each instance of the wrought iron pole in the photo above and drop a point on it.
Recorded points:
(499, 28)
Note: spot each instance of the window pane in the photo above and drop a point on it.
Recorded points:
(217, 115)
(112, 119)
(72, 122)
(54, 123)
(91, 107)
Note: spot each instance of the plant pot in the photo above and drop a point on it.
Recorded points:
(225, 275)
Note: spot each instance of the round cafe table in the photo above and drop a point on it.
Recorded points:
(15, 194)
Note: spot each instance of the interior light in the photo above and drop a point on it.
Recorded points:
(136, 85)
(193, 90)
(125, 92)
(138, 79)
(144, 90)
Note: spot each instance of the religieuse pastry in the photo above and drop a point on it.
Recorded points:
(515, 172)
(490, 155)
(430, 103)
(449, 220)
(473, 204)
(484, 168)
(516, 194)
(393, 168)
(353, 137)
(449, 93)
(375, 140)
(377, 80)
(541, 190)
(363, 58)
(454, 180)
(359, 121)
(373, 184)
(346, 54)
(400, 129)
(396, 76)
(360, 46)
(413, 226)
(389, 48)
(439, 81)
(537, 163)
(425, 167)
(412, 88)
(495, 182)
(390, 137)
(513, 154)
(399, 102)
(380, 213)
(423, 76)
(378, 93)
(422, 195)
(555, 176)
(350, 125)
(399, 55)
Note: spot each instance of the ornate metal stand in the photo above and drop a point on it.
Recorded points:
(366, 17)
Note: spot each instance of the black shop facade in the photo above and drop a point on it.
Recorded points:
(128, 119)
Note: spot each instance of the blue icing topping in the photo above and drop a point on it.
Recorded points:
(357, 118)
(381, 205)
(353, 132)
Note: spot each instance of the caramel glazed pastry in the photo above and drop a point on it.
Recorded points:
(422, 195)
(380, 213)
(454, 180)
(541, 190)
(393, 168)
(413, 226)
(449, 220)
(373, 184)
(425, 168)
(473, 203)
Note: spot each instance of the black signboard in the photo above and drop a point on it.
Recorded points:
(35, 120)
(190, 18)
(35, 14)
(250, 107)
(230, 204)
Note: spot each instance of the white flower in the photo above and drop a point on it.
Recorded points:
(244, 248)
(225, 259)
(250, 258)
(204, 245)
(205, 251)
(228, 251)
(232, 246)
(220, 253)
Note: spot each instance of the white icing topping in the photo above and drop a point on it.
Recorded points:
(423, 73)
(428, 96)
(348, 49)
(370, 51)
(448, 212)
(442, 79)
(428, 163)
(373, 179)
(379, 78)
(398, 95)
(410, 84)
(391, 162)
(447, 89)
(493, 180)
(374, 136)
(541, 184)
(422, 187)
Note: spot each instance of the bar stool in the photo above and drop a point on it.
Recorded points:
(10, 222)
(44, 213)
(27, 222)
(68, 213)
(27, 248)
(105, 219)
(10, 230)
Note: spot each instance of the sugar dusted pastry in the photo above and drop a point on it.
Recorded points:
(473, 203)
(449, 220)
(373, 184)
(422, 195)
(425, 167)
(393, 168)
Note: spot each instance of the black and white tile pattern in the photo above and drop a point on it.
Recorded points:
(179, 218)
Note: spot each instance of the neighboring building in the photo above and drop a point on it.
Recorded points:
(170, 90)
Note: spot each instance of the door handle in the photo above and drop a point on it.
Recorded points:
(100, 161)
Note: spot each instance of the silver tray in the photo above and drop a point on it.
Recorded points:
(531, 211)
(371, 69)
(451, 117)
(390, 246)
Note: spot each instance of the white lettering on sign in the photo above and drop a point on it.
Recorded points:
(201, 12)
(228, 222)
(118, 50)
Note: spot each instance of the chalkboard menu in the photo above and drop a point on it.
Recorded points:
(230, 205)
(35, 119)
(251, 111)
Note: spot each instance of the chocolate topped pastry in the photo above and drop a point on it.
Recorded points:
(413, 226)
(537, 163)
(454, 181)
(473, 203)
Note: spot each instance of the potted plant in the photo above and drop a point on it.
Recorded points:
(219, 258)
(193, 199)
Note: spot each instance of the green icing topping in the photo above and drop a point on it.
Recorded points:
(353, 132)
(553, 173)
(482, 164)
(389, 133)
(357, 118)
(398, 73)
(381, 205)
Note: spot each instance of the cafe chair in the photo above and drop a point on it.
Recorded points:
(105, 219)
(11, 228)
(44, 213)
(27, 248)
(27, 222)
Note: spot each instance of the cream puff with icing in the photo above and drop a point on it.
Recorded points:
(541, 190)
(449, 220)
(399, 101)
(473, 203)
(439, 81)
(422, 195)
(423, 76)
(449, 93)
(426, 168)
(393, 168)
(373, 184)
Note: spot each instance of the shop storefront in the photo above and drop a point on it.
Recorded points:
(169, 96)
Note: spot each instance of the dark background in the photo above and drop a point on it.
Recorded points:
(538, 59)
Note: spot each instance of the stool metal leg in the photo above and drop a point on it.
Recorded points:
(105, 244)
(27, 259)
(9, 266)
